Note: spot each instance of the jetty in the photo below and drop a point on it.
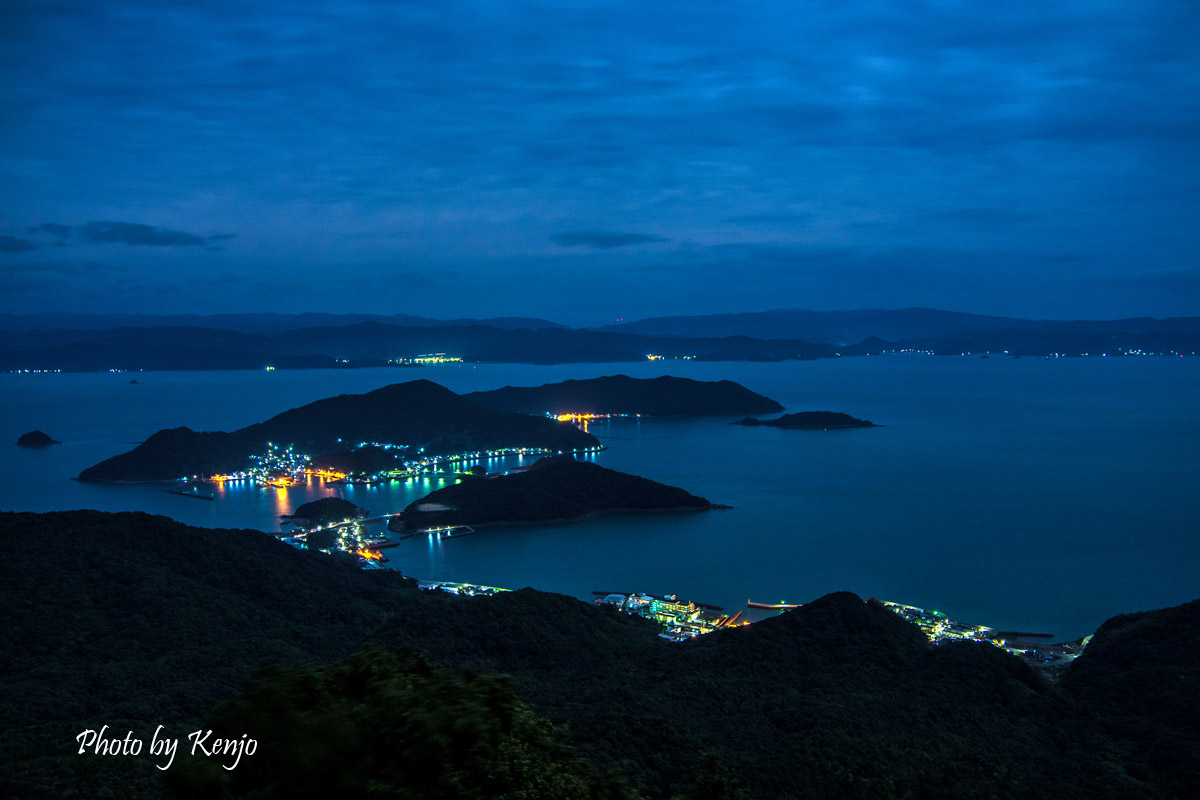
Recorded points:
(191, 493)
(773, 606)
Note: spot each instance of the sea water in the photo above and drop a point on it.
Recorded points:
(1025, 494)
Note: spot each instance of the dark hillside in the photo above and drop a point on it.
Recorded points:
(176, 453)
(620, 394)
(131, 621)
(326, 510)
(1139, 674)
(839, 698)
(418, 413)
(555, 488)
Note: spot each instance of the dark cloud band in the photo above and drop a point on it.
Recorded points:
(11, 244)
(135, 234)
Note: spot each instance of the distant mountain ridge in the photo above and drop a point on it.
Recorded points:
(344, 341)
(262, 323)
(363, 344)
(854, 325)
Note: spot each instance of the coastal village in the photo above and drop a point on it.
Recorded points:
(682, 620)
(332, 525)
(679, 620)
(282, 466)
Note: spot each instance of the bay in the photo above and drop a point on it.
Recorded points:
(1026, 494)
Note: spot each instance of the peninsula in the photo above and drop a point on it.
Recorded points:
(418, 416)
(810, 421)
(623, 395)
(554, 489)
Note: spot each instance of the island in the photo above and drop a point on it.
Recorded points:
(419, 417)
(324, 511)
(36, 439)
(617, 395)
(554, 489)
(811, 421)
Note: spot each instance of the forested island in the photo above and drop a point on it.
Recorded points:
(810, 421)
(417, 414)
(323, 511)
(36, 439)
(144, 622)
(554, 489)
(623, 395)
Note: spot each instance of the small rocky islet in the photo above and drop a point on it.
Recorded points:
(810, 421)
(36, 439)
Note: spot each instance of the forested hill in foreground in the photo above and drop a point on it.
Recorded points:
(139, 621)
(417, 413)
(621, 394)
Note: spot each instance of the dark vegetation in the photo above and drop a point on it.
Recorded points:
(1140, 674)
(133, 620)
(810, 421)
(36, 439)
(361, 460)
(380, 723)
(554, 488)
(417, 413)
(326, 510)
(620, 394)
(137, 621)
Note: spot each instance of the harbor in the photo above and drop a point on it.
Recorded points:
(679, 620)
(445, 532)
(194, 492)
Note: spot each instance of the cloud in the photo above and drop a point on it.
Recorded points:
(1038, 127)
(54, 229)
(11, 244)
(110, 232)
(1180, 280)
(603, 239)
(134, 234)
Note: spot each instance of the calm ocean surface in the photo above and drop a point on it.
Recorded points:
(1023, 494)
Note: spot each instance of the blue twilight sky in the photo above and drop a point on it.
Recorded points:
(588, 161)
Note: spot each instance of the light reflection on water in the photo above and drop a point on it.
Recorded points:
(1024, 494)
